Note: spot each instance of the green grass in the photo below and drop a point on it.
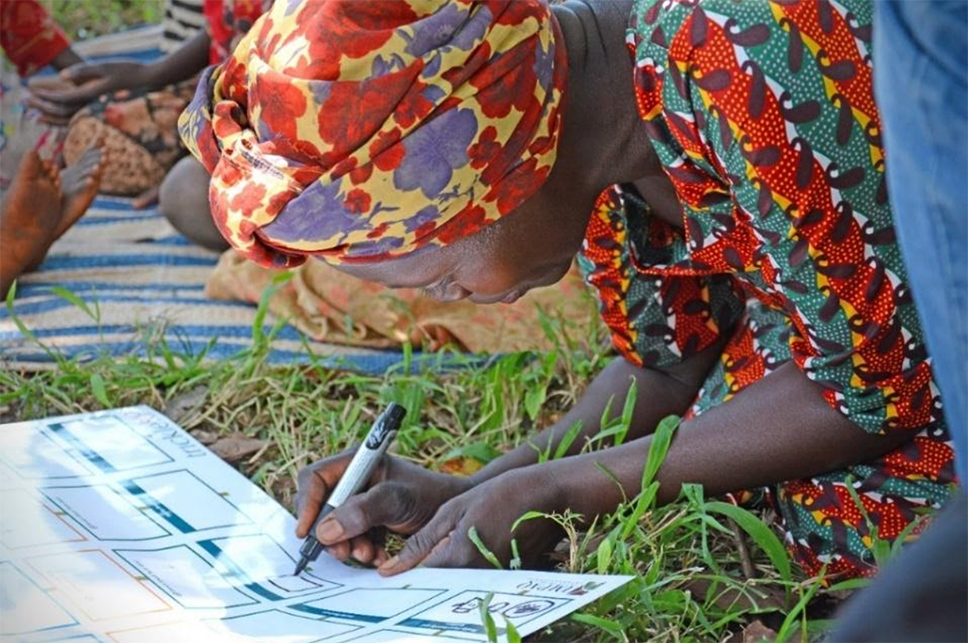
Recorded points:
(89, 18)
(690, 583)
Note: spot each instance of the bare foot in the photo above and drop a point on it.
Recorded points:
(41, 204)
(31, 215)
(79, 185)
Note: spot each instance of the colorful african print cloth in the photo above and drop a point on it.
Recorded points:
(763, 117)
(140, 133)
(29, 36)
(31, 40)
(360, 131)
(228, 21)
(331, 306)
(140, 126)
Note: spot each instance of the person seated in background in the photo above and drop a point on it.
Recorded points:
(39, 200)
(134, 106)
(718, 169)
(41, 204)
(31, 41)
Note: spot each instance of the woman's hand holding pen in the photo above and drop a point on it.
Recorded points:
(401, 496)
(436, 509)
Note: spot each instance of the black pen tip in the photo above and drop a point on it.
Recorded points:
(301, 566)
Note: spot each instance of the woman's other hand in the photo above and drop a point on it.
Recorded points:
(401, 497)
(491, 508)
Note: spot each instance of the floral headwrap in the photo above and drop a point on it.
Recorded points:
(360, 130)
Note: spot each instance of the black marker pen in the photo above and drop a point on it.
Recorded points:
(356, 475)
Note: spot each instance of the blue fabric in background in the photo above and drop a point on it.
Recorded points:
(54, 321)
(921, 52)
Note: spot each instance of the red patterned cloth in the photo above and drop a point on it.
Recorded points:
(228, 21)
(29, 36)
(361, 131)
(762, 114)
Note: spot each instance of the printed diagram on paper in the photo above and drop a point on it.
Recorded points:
(119, 526)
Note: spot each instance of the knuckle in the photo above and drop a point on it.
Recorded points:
(452, 510)
(453, 553)
(462, 551)
(418, 545)
(396, 498)
(447, 509)
(306, 476)
(354, 518)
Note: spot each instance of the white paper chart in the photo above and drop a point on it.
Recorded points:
(120, 527)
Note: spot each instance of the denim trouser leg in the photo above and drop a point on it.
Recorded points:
(920, 82)
(920, 51)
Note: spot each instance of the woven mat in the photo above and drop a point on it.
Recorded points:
(140, 279)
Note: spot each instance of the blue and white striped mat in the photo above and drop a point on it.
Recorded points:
(141, 280)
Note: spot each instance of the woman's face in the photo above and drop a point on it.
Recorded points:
(532, 247)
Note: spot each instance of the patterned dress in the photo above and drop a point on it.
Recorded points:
(30, 40)
(29, 36)
(762, 114)
(140, 127)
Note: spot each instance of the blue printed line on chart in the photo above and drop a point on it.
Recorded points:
(234, 571)
(438, 626)
(319, 611)
(156, 506)
(91, 456)
(133, 557)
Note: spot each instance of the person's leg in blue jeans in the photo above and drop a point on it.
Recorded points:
(921, 86)
(920, 51)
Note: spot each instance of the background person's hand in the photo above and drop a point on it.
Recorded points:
(492, 508)
(401, 497)
(83, 83)
(52, 83)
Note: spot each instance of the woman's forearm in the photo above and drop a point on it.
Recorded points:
(775, 430)
(660, 393)
(181, 64)
(66, 58)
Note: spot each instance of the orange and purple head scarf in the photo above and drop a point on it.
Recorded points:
(360, 130)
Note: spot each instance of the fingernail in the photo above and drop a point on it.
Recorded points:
(329, 531)
(387, 565)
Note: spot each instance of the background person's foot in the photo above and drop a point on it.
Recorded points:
(79, 185)
(42, 203)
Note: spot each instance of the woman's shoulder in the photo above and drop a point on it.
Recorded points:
(657, 23)
(654, 25)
